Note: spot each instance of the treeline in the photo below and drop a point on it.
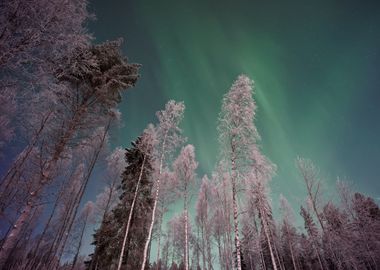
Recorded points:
(59, 95)
(233, 226)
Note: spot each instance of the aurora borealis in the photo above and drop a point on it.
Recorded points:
(315, 71)
(84, 186)
(315, 67)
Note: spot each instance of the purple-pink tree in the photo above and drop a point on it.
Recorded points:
(237, 135)
(184, 167)
(204, 219)
(169, 138)
(90, 100)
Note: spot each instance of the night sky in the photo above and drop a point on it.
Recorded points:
(315, 65)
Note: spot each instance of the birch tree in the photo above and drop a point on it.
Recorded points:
(222, 227)
(96, 76)
(184, 168)
(288, 230)
(169, 138)
(310, 175)
(115, 166)
(312, 231)
(237, 135)
(204, 220)
(34, 35)
(86, 216)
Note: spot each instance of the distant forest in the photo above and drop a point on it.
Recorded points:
(59, 99)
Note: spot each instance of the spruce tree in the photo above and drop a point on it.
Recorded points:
(109, 237)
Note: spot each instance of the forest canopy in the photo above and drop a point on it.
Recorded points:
(60, 97)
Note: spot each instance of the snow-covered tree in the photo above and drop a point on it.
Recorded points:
(237, 136)
(94, 77)
(289, 241)
(204, 220)
(169, 138)
(146, 147)
(184, 167)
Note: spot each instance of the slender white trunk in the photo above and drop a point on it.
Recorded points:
(159, 240)
(236, 227)
(151, 225)
(145, 254)
(130, 215)
(80, 244)
(186, 233)
(14, 234)
(268, 241)
(291, 247)
(227, 241)
(235, 209)
(13, 174)
(44, 178)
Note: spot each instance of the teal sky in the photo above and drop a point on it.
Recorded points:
(315, 65)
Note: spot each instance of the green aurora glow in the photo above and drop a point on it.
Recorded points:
(315, 66)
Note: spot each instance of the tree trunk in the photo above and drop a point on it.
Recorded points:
(227, 236)
(203, 246)
(219, 252)
(13, 174)
(159, 239)
(145, 254)
(79, 244)
(130, 215)
(80, 194)
(95, 254)
(186, 232)
(45, 177)
(269, 242)
(291, 248)
(14, 234)
(235, 211)
(33, 261)
(236, 227)
(208, 244)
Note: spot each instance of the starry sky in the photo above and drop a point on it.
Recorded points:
(315, 65)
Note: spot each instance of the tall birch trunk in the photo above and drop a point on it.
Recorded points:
(235, 210)
(79, 198)
(186, 232)
(291, 247)
(130, 215)
(266, 232)
(45, 177)
(159, 240)
(146, 247)
(236, 226)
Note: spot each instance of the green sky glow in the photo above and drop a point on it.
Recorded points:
(315, 66)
